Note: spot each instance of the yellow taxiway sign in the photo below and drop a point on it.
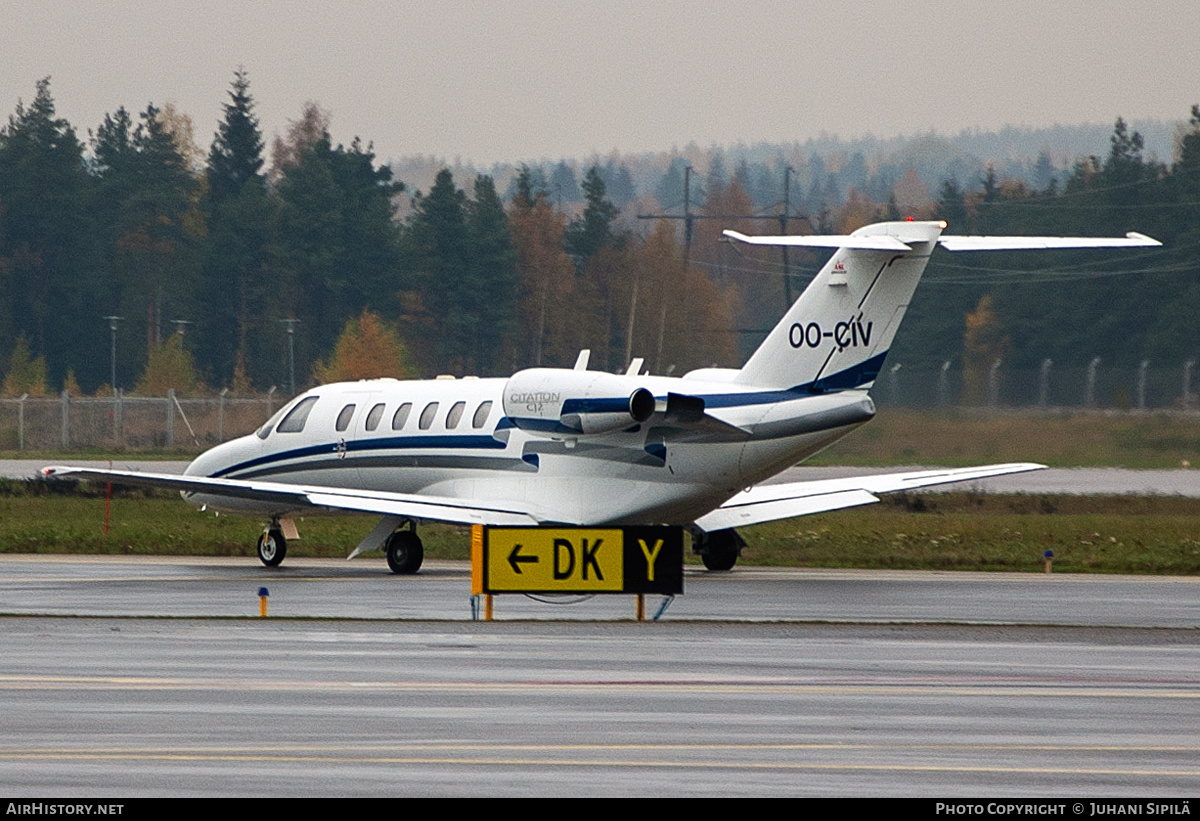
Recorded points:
(578, 560)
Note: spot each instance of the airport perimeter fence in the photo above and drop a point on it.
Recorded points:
(1092, 386)
(130, 422)
(195, 423)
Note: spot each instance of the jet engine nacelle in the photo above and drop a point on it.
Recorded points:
(562, 402)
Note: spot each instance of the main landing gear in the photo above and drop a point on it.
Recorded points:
(404, 551)
(272, 547)
(719, 550)
(403, 548)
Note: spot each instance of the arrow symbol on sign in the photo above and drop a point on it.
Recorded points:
(515, 559)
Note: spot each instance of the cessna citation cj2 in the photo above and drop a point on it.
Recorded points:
(580, 447)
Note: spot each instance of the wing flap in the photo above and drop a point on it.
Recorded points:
(419, 508)
(752, 513)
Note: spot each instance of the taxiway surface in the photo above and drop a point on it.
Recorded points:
(149, 677)
(364, 589)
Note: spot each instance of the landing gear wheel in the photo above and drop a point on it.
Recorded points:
(720, 549)
(272, 547)
(404, 552)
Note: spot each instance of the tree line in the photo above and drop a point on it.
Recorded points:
(1125, 307)
(227, 271)
(211, 256)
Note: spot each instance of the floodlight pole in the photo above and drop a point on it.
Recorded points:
(112, 327)
(291, 332)
(783, 229)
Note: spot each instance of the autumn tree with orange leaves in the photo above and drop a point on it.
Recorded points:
(984, 344)
(367, 349)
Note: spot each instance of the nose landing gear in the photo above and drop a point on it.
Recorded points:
(272, 547)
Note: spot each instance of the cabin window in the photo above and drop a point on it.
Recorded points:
(481, 414)
(343, 420)
(401, 416)
(374, 416)
(455, 415)
(297, 416)
(427, 415)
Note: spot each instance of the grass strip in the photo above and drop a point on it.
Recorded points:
(933, 531)
(1059, 439)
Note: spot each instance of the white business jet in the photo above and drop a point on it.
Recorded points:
(581, 447)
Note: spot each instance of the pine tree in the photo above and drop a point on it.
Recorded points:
(493, 277)
(236, 267)
(148, 233)
(594, 230)
(46, 238)
(618, 183)
(563, 187)
(235, 158)
(547, 279)
(438, 249)
(337, 245)
(528, 187)
(670, 191)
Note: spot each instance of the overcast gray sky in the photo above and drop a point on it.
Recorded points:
(533, 79)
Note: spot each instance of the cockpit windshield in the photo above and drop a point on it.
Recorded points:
(265, 430)
(294, 417)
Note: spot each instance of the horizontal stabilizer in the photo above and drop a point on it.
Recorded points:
(963, 243)
(767, 503)
(856, 242)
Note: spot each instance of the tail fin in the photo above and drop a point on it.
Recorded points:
(838, 332)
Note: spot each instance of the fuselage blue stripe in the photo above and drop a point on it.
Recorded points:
(856, 376)
(861, 374)
(439, 441)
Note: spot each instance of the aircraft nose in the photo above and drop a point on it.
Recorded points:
(219, 459)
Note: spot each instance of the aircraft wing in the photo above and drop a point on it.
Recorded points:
(766, 503)
(291, 497)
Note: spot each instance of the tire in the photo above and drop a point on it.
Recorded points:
(720, 550)
(404, 552)
(272, 548)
